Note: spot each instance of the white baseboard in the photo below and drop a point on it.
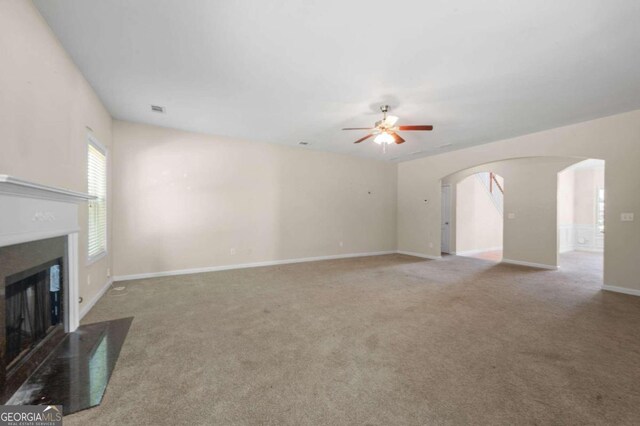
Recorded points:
(530, 264)
(579, 237)
(86, 307)
(424, 256)
(478, 251)
(624, 290)
(582, 249)
(589, 250)
(243, 266)
(90, 304)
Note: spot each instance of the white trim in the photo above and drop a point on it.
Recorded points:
(26, 237)
(530, 264)
(478, 251)
(97, 144)
(11, 185)
(589, 250)
(580, 237)
(90, 304)
(243, 266)
(623, 290)
(72, 319)
(96, 257)
(31, 212)
(414, 254)
(92, 140)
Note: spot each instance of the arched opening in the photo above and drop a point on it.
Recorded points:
(479, 210)
(581, 216)
(530, 215)
(473, 213)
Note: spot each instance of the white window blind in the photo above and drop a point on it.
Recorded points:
(97, 178)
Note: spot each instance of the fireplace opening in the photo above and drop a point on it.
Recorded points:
(33, 308)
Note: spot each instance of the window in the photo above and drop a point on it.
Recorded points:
(97, 179)
(600, 210)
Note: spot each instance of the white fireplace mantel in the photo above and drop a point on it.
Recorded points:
(30, 211)
(16, 186)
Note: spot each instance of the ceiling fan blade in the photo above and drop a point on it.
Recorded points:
(364, 138)
(422, 127)
(390, 121)
(397, 138)
(358, 128)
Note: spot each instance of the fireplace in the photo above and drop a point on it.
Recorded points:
(34, 278)
(39, 303)
(33, 309)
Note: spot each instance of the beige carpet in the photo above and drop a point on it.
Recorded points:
(387, 340)
(493, 255)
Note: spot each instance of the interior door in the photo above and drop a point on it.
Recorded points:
(445, 218)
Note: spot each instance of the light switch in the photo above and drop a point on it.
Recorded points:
(626, 217)
(511, 216)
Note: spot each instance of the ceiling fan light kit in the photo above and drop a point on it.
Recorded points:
(385, 130)
(384, 137)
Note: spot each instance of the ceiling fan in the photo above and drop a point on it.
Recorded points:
(385, 130)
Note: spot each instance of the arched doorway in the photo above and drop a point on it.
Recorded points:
(530, 209)
(479, 216)
(473, 214)
(581, 216)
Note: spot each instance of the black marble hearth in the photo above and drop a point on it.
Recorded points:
(78, 371)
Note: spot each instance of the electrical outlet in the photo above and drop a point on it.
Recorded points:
(626, 217)
(232, 252)
(341, 244)
(511, 216)
(430, 245)
(108, 272)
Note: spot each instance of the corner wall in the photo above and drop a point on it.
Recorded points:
(45, 108)
(615, 139)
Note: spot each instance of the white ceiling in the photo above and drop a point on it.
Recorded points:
(286, 71)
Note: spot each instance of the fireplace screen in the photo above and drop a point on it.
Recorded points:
(33, 308)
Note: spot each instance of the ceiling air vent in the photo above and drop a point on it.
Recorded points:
(157, 108)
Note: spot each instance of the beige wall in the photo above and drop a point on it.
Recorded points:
(478, 222)
(587, 183)
(615, 139)
(566, 196)
(45, 106)
(530, 195)
(185, 200)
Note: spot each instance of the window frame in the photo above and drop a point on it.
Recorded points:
(92, 140)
